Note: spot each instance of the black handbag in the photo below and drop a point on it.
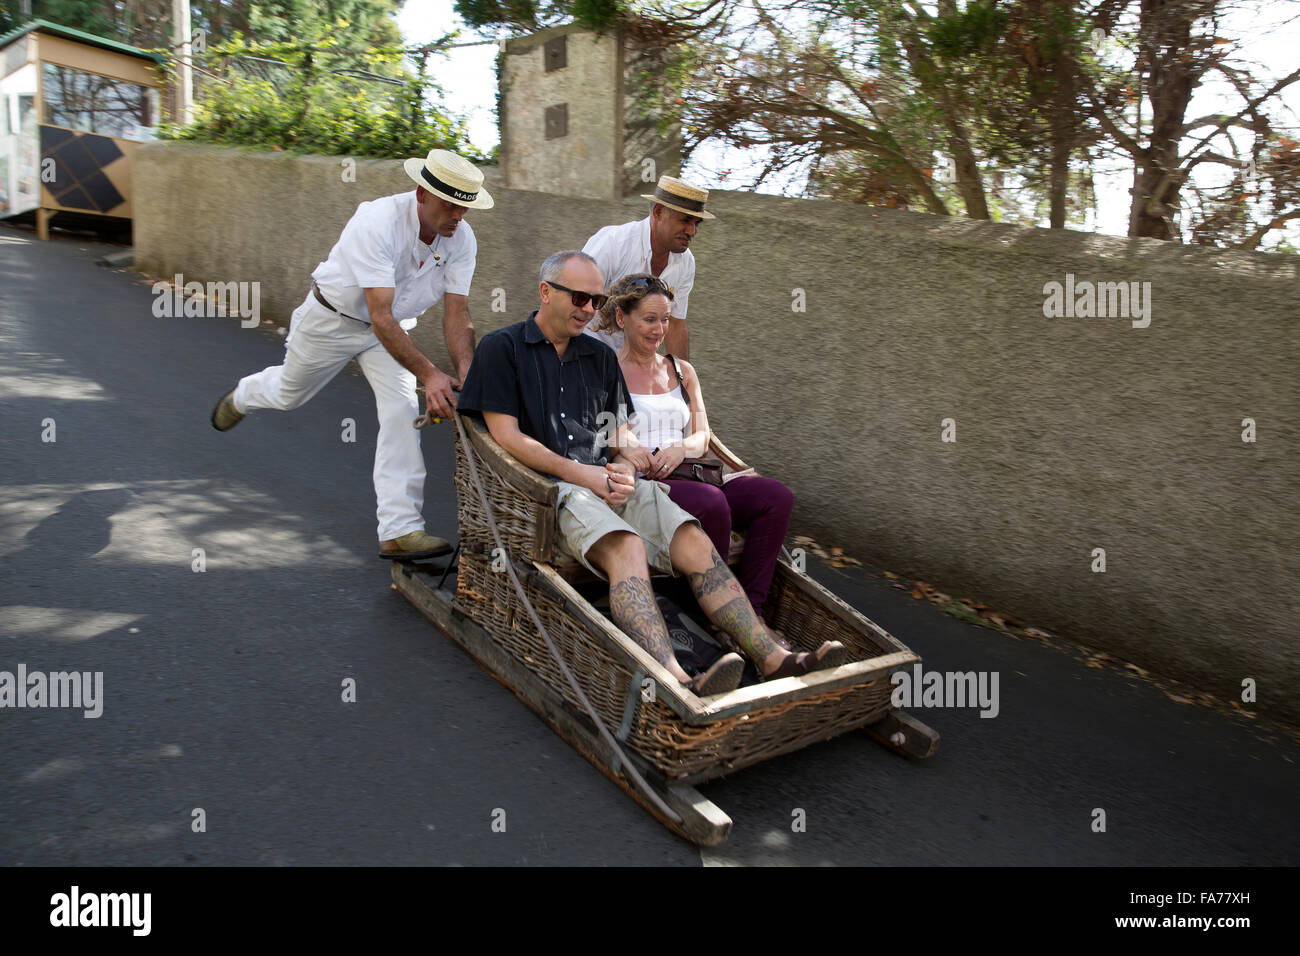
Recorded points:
(707, 469)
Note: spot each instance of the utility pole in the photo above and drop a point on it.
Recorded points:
(183, 47)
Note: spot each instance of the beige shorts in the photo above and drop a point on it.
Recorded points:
(582, 519)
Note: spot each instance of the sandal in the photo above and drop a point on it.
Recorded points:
(830, 654)
(722, 677)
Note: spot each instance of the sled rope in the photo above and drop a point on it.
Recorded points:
(626, 764)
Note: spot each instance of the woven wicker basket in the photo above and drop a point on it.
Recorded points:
(684, 737)
(522, 502)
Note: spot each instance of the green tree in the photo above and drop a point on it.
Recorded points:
(323, 106)
(93, 16)
(529, 16)
(327, 76)
(147, 23)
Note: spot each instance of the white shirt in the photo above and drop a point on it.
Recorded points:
(625, 250)
(380, 248)
(661, 420)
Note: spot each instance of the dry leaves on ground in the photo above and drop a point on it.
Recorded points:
(970, 610)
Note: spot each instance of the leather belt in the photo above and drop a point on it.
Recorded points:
(320, 297)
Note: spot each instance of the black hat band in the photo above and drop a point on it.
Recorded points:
(438, 184)
(663, 195)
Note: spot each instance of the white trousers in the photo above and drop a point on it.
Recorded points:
(319, 344)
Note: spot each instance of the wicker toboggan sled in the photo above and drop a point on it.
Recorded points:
(673, 738)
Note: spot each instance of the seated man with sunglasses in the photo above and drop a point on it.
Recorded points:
(556, 400)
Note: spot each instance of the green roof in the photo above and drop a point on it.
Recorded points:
(45, 26)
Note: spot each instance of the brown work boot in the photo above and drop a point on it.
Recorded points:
(415, 544)
(225, 416)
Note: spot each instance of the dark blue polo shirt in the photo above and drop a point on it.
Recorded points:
(569, 404)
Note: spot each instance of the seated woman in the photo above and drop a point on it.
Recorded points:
(671, 425)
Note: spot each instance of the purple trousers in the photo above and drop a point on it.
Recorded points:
(760, 507)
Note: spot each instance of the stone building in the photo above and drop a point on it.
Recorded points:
(583, 114)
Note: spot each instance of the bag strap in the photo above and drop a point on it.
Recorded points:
(686, 396)
(678, 369)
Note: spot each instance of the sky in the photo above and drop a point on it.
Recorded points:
(469, 79)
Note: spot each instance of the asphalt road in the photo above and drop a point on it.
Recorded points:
(222, 689)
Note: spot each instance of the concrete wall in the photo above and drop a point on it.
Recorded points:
(1072, 433)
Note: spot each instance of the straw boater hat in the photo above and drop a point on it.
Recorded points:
(450, 177)
(681, 196)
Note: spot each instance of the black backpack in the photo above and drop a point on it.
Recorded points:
(692, 646)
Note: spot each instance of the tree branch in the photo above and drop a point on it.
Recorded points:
(1277, 222)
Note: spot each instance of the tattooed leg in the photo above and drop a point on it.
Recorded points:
(723, 599)
(621, 555)
(635, 610)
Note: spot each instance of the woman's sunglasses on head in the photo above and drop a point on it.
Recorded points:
(651, 284)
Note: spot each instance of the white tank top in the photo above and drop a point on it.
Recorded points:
(661, 419)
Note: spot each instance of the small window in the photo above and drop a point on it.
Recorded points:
(98, 104)
(557, 121)
(556, 53)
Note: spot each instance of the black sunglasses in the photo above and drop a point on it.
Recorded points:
(581, 298)
(651, 284)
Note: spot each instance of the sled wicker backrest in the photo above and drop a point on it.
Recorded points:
(522, 501)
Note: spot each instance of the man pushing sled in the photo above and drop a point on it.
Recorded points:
(396, 257)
